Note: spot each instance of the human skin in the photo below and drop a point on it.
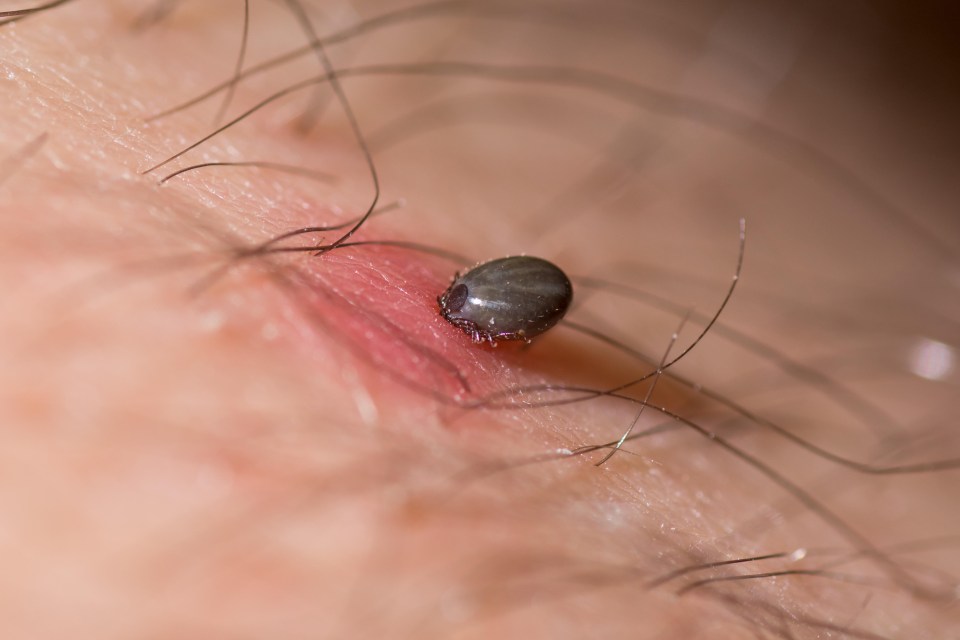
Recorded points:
(301, 446)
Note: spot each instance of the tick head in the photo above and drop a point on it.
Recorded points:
(453, 299)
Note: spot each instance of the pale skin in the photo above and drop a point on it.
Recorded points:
(259, 455)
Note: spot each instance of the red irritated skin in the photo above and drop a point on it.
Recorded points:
(380, 303)
(200, 442)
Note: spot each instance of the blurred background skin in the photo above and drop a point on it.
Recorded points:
(219, 465)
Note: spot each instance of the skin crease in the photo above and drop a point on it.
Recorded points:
(228, 464)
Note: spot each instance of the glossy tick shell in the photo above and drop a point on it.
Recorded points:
(515, 298)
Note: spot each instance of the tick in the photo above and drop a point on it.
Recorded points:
(515, 298)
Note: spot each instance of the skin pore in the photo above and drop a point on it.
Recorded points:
(298, 446)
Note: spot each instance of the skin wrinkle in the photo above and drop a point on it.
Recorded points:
(183, 466)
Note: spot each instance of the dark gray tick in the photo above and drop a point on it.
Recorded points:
(515, 298)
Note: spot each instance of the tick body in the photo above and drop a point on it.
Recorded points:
(515, 298)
